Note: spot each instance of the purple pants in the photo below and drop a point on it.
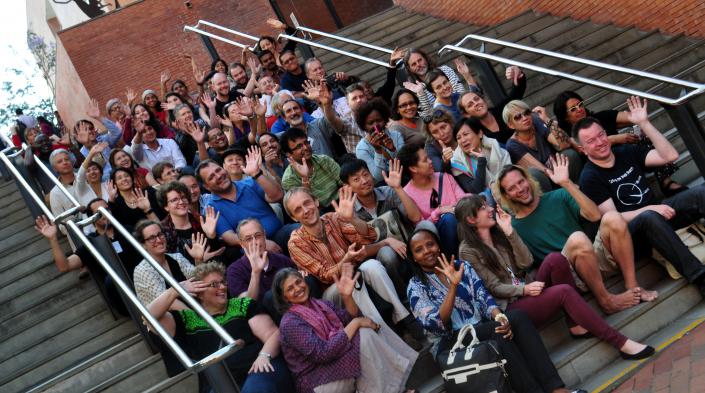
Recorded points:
(560, 293)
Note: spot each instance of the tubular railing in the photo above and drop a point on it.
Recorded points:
(698, 87)
(329, 48)
(67, 220)
(196, 29)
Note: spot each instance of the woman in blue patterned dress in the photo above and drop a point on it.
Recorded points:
(446, 295)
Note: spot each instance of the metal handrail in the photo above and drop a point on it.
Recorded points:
(335, 50)
(699, 88)
(231, 31)
(231, 345)
(340, 38)
(217, 37)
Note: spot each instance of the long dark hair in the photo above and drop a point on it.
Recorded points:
(280, 304)
(560, 108)
(469, 206)
(430, 64)
(395, 102)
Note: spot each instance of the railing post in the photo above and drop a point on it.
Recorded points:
(209, 46)
(491, 85)
(686, 122)
(220, 379)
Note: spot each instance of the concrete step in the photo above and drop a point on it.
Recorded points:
(182, 383)
(102, 368)
(137, 378)
(23, 262)
(42, 274)
(55, 355)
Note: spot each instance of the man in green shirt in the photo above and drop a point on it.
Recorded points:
(551, 222)
(318, 173)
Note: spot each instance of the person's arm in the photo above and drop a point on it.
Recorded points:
(163, 79)
(212, 117)
(521, 253)
(326, 101)
(177, 155)
(252, 82)
(62, 262)
(518, 78)
(663, 152)
(666, 211)
(266, 331)
(493, 283)
(528, 161)
(393, 180)
(345, 211)
(559, 175)
(230, 238)
(297, 333)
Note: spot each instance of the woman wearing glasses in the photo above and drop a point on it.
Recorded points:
(535, 140)
(148, 283)
(256, 366)
(570, 108)
(405, 116)
(435, 193)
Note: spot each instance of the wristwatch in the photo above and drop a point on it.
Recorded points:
(267, 355)
(257, 175)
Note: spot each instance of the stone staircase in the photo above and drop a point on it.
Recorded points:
(587, 363)
(56, 333)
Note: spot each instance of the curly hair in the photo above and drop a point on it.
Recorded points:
(206, 268)
(375, 104)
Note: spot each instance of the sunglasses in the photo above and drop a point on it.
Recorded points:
(519, 116)
(434, 199)
(576, 107)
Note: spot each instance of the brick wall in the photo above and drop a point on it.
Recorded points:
(669, 16)
(130, 47)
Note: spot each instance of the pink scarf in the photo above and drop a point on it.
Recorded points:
(320, 316)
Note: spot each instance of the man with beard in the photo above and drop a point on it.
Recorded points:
(294, 77)
(615, 179)
(551, 222)
(270, 67)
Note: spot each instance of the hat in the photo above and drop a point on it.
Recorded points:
(235, 150)
(111, 102)
(148, 92)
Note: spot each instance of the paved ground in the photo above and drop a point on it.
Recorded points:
(680, 368)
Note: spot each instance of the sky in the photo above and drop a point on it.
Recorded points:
(13, 46)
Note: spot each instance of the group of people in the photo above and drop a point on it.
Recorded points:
(269, 191)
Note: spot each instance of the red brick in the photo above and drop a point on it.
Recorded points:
(661, 381)
(643, 378)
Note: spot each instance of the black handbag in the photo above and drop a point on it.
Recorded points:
(477, 368)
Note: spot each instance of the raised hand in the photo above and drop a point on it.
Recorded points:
(346, 205)
(130, 95)
(504, 220)
(207, 100)
(141, 200)
(453, 275)
(301, 169)
(96, 149)
(477, 153)
(513, 73)
(447, 152)
(199, 76)
(209, 222)
(164, 77)
(45, 227)
(346, 281)
(312, 89)
(416, 87)
(393, 180)
(461, 66)
(637, 110)
(276, 24)
(244, 105)
(193, 286)
(112, 191)
(341, 76)
(224, 121)
(260, 108)
(93, 109)
(253, 65)
(208, 254)
(558, 173)
(398, 246)
(197, 133)
(256, 255)
(253, 161)
(397, 54)
(543, 115)
(198, 246)
(325, 97)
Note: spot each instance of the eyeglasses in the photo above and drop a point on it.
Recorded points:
(258, 235)
(519, 116)
(434, 199)
(152, 239)
(178, 199)
(576, 107)
(218, 284)
(438, 114)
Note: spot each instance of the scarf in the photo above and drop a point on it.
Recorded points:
(320, 316)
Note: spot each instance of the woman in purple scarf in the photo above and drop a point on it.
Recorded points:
(329, 349)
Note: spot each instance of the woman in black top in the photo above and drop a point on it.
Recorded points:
(473, 104)
(569, 108)
(128, 202)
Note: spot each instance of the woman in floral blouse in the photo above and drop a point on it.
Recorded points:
(445, 296)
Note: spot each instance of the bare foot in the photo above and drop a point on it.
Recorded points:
(648, 296)
(615, 303)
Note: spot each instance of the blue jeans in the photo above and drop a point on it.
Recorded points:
(278, 381)
(447, 227)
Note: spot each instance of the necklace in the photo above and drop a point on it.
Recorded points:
(131, 204)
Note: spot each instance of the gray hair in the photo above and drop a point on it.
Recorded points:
(55, 153)
(279, 99)
(246, 221)
(293, 192)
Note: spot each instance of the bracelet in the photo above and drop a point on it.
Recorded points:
(257, 175)
(499, 317)
(267, 355)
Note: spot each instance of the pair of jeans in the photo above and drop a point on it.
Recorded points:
(277, 381)
(650, 229)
